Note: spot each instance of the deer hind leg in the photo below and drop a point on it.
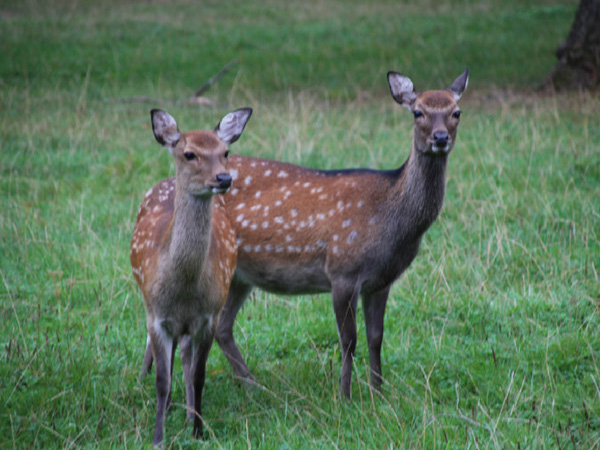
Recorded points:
(238, 292)
(345, 299)
(374, 310)
(162, 349)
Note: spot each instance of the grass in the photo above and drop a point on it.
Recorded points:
(492, 336)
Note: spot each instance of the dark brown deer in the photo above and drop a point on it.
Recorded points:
(350, 232)
(183, 255)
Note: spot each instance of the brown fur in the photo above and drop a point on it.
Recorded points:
(183, 255)
(350, 232)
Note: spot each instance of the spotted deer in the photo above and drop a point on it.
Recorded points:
(183, 254)
(351, 232)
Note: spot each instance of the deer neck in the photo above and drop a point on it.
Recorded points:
(420, 190)
(190, 233)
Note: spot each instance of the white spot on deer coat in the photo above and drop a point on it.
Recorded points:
(268, 172)
(346, 223)
(352, 237)
(282, 174)
(322, 244)
(247, 180)
(234, 174)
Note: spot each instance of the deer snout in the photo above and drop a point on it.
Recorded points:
(440, 139)
(224, 180)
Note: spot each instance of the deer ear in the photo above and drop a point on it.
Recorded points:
(459, 85)
(231, 126)
(402, 89)
(165, 129)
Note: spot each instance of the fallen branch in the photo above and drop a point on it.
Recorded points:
(215, 78)
(196, 99)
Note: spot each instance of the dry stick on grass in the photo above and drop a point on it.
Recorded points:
(196, 99)
(215, 78)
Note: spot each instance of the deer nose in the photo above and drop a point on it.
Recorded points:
(224, 180)
(440, 138)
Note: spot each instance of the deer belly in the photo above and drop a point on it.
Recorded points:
(283, 274)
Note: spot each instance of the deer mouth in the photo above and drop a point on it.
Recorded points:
(438, 150)
(209, 190)
(220, 189)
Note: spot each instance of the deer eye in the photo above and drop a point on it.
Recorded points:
(456, 114)
(189, 156)
(226, 153)
(417, 113)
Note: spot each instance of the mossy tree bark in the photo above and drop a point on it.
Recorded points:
(578, 64)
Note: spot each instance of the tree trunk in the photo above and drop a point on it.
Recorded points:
(578, 64)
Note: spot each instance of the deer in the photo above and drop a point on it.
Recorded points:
(350, 232)
(183, 255)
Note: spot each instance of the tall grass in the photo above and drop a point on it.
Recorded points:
(492, 336)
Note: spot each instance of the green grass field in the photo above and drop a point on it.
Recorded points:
(492, 335)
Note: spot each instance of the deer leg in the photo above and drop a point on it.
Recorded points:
(162, 349)
(169, 399)
(374, 310)
(147, 363)
(238, 292)
(201, 349)
(345, 300)
(185, 350)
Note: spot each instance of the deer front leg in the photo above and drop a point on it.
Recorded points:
(162, 349)
(201, 349)
(147, 363)
(374, 310)
(238, 292)
(345, 298)
(185, 350)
